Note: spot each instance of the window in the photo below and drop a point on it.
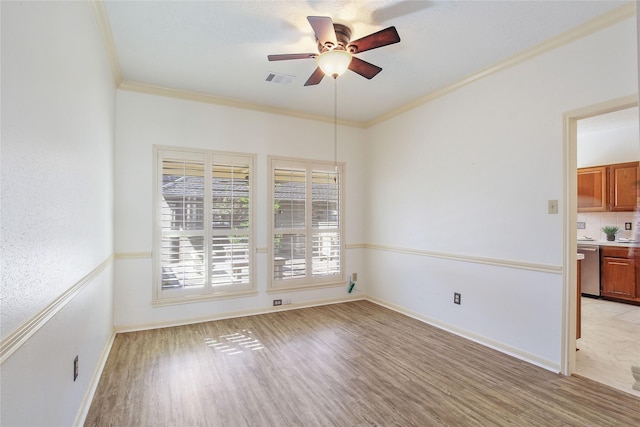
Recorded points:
(203, 225)
(305, 246)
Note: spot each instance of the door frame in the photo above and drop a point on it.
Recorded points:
(570, 218)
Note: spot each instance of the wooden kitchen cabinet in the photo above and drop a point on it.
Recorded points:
(623, 186)
(592, 189)
(618, 272)
(608, 188)
(618, 277)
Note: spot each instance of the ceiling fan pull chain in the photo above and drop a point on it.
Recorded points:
(335, 128)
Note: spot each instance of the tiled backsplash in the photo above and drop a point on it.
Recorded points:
(594, 221)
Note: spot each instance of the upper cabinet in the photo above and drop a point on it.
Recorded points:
(623, 186)
(608, 188)
(592, 189)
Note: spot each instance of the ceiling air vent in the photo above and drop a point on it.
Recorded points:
(282, 79)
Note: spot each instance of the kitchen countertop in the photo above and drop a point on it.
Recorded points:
(608, 243)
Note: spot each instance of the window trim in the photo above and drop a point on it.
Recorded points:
(163, 297)
(308, 282)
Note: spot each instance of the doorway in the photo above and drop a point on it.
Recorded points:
(594, 117)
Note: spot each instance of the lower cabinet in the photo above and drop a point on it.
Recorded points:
(618, 273)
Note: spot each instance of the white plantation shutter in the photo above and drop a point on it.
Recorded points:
(306, 227)
(290, 222)
(203, 232)
(326, 223)
(230, 224)
(182, 251)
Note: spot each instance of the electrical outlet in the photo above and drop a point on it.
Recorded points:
(627, 226)
(277, 302)
(286, 301)
(75, 368)
(354, 277)
(456, 298)
(582, 225)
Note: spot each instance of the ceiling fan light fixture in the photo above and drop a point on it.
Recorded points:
(334, 62)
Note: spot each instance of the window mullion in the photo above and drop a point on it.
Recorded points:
(309, 222)
(207, 225)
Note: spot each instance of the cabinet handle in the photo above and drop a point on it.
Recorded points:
(587, 249)
(617, 263)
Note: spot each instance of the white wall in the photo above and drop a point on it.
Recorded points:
(605, 146)
(144, 120)
(58, 100)
(468, 175)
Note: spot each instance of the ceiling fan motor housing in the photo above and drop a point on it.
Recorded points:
(343, 36)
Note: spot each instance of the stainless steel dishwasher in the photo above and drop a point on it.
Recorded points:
(590, 270)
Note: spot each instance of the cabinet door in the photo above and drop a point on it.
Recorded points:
(592, 189)
(623, 186)
(618, 277)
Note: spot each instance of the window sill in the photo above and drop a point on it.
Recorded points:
(162, 302)
(304, 287)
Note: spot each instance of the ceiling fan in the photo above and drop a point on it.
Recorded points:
(336, 38)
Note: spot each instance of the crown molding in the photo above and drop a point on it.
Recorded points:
(104, 27)
(596, 24)
(211, 99)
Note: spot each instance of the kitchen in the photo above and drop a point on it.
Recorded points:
(609, 278)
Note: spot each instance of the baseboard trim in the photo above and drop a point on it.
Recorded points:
(13, 342)
(488, 342)
(95, 380)
(234, 314)
(496, 345)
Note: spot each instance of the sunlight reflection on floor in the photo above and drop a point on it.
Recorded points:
(235, 343)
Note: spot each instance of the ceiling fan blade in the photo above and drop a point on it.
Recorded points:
(315, 78)
(287, 56)
(364, 68)
(323, 28)
(381, 38)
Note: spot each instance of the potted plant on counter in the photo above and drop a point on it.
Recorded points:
(610, 231)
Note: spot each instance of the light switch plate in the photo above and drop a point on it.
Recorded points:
(553, 206)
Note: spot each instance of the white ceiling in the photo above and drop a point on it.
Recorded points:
(220, 48)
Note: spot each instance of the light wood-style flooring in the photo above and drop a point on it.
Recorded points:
(349, 364)
(610, 343)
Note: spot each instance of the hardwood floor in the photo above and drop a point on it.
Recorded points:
(350, 364)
